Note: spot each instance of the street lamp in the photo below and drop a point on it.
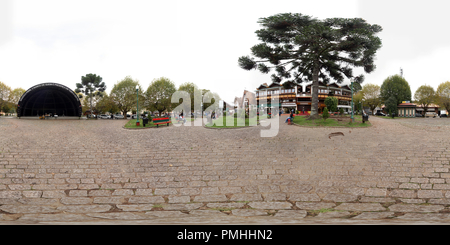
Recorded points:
(137, 111)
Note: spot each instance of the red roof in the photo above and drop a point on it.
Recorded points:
(407, 105)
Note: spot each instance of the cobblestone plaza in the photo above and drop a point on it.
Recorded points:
(96, 171)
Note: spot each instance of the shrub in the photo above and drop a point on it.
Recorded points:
(341, 112)
(325, 114)
(331, 103)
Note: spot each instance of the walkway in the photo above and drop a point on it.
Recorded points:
(96, 172)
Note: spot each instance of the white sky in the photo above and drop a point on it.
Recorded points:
(199, 41)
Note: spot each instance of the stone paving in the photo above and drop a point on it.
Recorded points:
(97, 172)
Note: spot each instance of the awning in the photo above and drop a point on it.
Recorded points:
(344, 106)
(289, 105)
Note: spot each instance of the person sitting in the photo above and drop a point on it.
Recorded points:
(291, 116)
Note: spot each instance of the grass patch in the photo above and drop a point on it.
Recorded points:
(230, 122)
(341, 121)
(132, 124)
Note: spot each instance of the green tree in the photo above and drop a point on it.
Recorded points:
(356, 87)
(89, 102)
(15, 95)
(443, 95)
(159, 94)
(395, 86)
(5, 92)
(106, 104)
(425, 96)
(6, 107)
(301, 48)
(325, 114)
(331, 103)
(124, 95)
(92, 86)
(211, 98)
(193, 91)
(357, 101)
(391, 106)
(371, 96)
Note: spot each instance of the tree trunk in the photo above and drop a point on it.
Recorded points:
(315, 93)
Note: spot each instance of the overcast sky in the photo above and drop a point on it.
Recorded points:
(199, 41)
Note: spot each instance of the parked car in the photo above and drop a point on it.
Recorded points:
(119, 116)
(443, 115)
(379, 113)
(430, 114)
(133, 116)
(103, 116)
(419, 114)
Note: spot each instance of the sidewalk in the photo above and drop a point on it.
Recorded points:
(95, 172)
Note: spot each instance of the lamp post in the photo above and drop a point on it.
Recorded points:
(137, 99)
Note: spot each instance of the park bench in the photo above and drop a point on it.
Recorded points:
(161, 120)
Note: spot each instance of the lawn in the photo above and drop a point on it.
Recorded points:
(232, 122)
(132, 124)
(332, 122)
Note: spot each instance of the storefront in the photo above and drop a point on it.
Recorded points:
(406, 110)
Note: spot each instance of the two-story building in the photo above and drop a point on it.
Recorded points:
(299, 96)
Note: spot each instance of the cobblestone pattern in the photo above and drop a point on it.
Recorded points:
(91, 170)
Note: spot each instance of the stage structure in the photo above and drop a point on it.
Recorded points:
(49, 99)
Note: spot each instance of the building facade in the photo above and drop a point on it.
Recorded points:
(299, 96)
(247, 101)
(406, 110)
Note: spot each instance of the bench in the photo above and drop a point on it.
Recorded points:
(161, 120)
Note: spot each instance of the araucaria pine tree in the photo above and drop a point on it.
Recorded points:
(91, 85)
(302, 49)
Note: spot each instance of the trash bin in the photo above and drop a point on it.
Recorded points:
(145, 120)
(365, 118)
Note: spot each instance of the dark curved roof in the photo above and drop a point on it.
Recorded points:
(49, 98)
